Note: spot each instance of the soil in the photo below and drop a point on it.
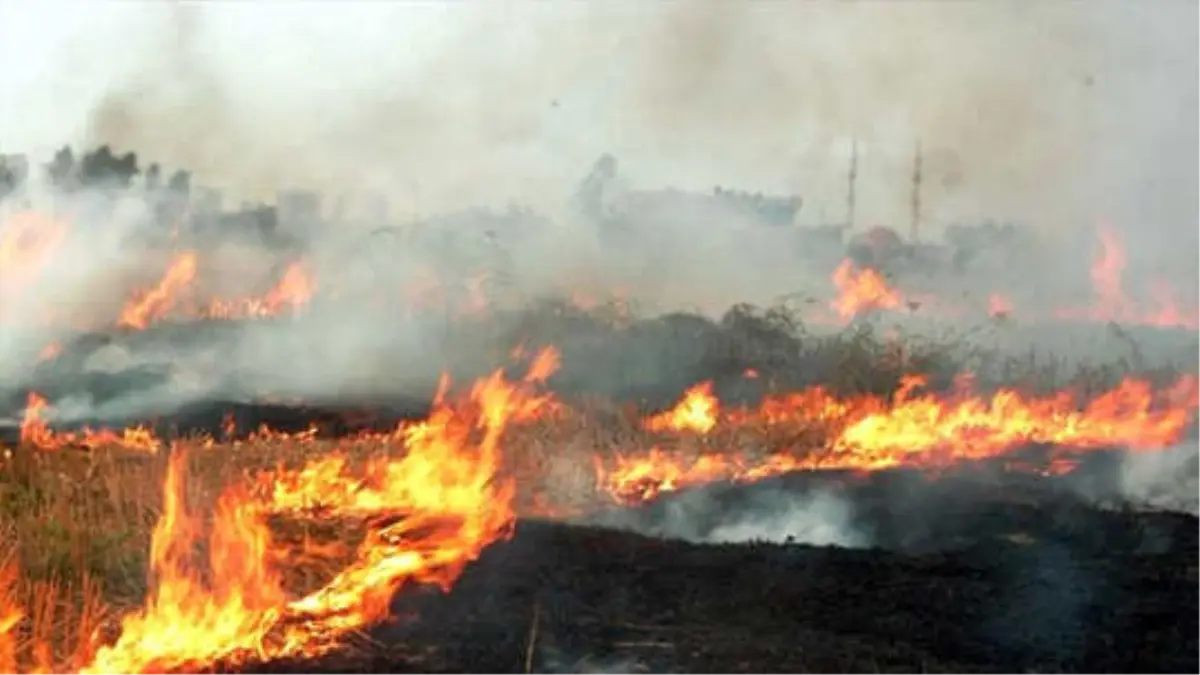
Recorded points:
(1009, 583)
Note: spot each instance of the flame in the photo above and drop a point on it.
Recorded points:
(28, 239)
(696, 412)
(999, 306)
(155, 303)
(49, 352)
(36, 433)
(10, 616)
(28, 242)
(861, 291)
(1112, 303)
(292, 292)
(429, 509)
(871, 433)
(926, 430)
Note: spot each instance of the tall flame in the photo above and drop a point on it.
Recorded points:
(428, 511)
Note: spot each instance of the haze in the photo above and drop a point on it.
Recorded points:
(1058, 114)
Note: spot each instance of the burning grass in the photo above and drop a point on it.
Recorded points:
(130, 555)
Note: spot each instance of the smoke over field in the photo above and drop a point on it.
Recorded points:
(451, 337)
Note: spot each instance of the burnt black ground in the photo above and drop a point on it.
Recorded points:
(980, 572)
(1022, 585)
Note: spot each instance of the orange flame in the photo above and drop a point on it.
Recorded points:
(924, 431)
(1113, 304)
(999, 306)
(429, 513)
(861, 291)
(155, 303)
(696, 412)
(35, 433)
(10, 616)
(293, 291)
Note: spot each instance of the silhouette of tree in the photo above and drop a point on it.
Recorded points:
(180, 183)
(153, 178)
(62, 169)
(8, 181)
(101, 168)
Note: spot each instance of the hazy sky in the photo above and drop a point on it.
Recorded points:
(1059, 112)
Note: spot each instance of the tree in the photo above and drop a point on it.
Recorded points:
(62, 170)
(101, 168)
(153, 178)
(180, 183)
(8, 181)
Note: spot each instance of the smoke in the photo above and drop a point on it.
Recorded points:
(1054, 113)
(1168, 480)
(817, 517)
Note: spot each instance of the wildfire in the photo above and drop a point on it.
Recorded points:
(293, 291)
(28, 242)
(158, 301)
(861, 291)
(429, 509)
(928, 430)
(696, 412)
(1112, 303)
(35, 433)
(10, 615)
(999, 306)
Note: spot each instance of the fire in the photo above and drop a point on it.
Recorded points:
(999, 306)
(28, 239)
(36, 433)
(696, 412)
(50, 352)
(28, 242)
(10, 616)
(1112, 303)
(861, 291)
(928, 430)
(429, 508)
(293, 291)
(158, 301)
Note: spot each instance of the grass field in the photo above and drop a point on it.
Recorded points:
(78, 525)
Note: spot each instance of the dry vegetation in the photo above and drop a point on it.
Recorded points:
(76, 525)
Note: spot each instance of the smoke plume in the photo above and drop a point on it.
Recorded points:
(1054, 114)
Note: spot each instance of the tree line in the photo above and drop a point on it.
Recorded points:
(98, 169)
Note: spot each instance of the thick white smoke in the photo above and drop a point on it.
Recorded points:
(1053, 113)
(1163, 480)
(1058, 112)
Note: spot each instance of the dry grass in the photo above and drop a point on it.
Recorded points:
(75, 526)
(76, 529)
